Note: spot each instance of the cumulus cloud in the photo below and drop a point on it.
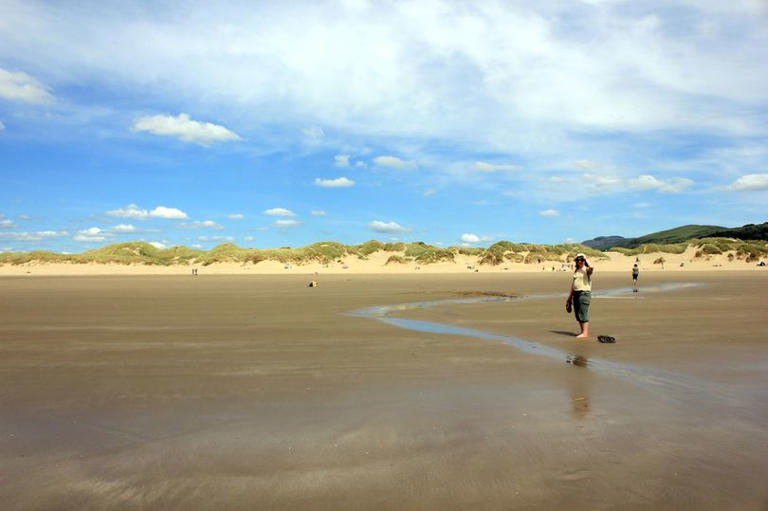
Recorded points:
(134, 211)
(341, 160)
(430, 192)
(93, 231)
(360, 164)
(130, 211)
(469, 238)
(204, 224)
(279, 212)
(339, 182)
(749, 182)
(393, 161)
(18, 86)
(248, 238)
(287, 223)
(123, 229)
(158, 244)
(169, 213)
(236, 216)
(493, 167)
(185, 129)
(648, 182)
(387, 227)
(318, 212)
(549, 212)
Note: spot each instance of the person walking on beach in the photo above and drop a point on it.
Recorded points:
(581, 294)
(635, 274)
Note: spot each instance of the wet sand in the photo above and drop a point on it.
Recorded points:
(255, 392)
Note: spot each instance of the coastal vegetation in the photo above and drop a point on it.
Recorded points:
(328, 252)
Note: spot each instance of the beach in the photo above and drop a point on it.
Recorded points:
(253, 391)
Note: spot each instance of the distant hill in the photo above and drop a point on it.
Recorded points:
(604, 242)
(676, 235)
(680, 234)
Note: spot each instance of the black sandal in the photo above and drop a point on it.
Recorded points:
(606, 339)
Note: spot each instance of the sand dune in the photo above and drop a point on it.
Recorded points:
(376, 264)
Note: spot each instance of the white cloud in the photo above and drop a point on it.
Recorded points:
(318, 212)
(137, 213)
(123, 229)
(470, 238)
(187, 130)
(430, 192)
(339, 182)
(236, 216)
(549, 212)
(341, 160)
(248, 238)
(215, 238)
(33, 236)
(130, 211)
(530, 77)
(279, 212)
(648, 182)
(387, 227)
(749, 182)
(287, 223)
(6, 223)
(158, 244)
(169, 213)
(93, 231)
(2, 126)
(84, 238)
(18, 86)
(493, 167)
(360, 164)
(393, 161)
(601, 180)
(204, 224)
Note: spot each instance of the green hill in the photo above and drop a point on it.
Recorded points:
(746, 232)
(676, 235)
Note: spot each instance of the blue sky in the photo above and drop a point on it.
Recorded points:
(285, 123)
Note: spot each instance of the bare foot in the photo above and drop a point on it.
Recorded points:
(582, 336)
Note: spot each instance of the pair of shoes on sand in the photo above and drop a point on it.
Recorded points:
(606, 339)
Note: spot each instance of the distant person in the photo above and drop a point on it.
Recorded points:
(635, 274)
(581, 294)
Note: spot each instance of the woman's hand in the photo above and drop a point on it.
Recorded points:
(590, 270)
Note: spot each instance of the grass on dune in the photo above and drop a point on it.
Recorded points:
(327, 252)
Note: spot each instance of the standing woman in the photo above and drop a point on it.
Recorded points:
(581, 294)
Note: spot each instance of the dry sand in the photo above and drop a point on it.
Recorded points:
(255, 392)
